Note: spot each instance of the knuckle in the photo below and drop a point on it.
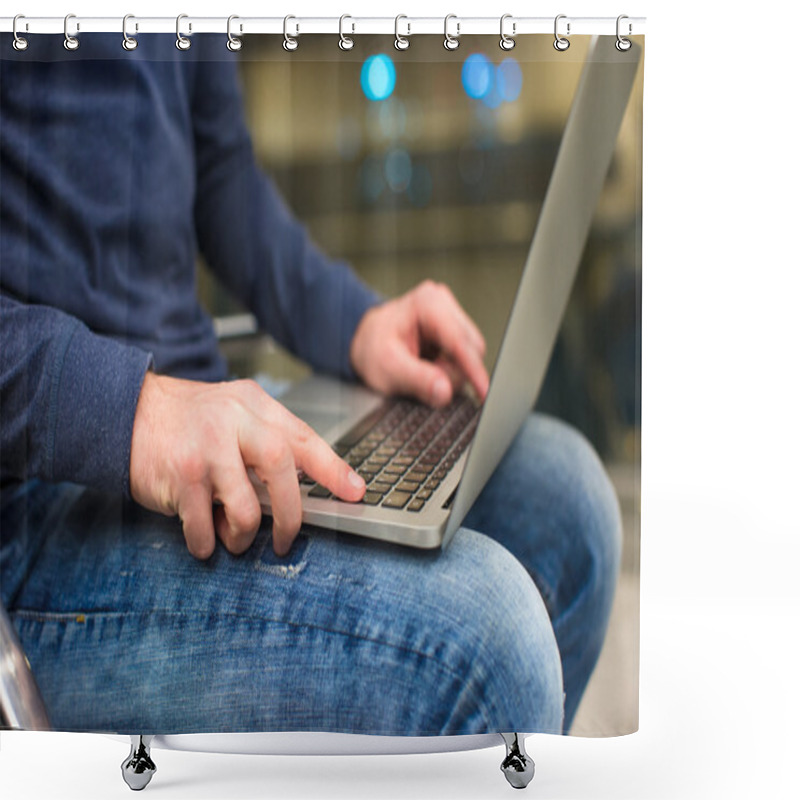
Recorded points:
(238, 542)
(248, 518)
(233, 404)
(428, 288)
(243, 395)
(248, 387)
(278, 457)
(192, 466)
(305, 434)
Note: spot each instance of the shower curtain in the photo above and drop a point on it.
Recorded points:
(189, 231)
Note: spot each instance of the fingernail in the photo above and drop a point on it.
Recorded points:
(355, 480)
(441, 390)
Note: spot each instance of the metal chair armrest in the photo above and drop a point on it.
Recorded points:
(21, 704)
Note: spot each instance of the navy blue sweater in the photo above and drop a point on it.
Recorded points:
(116, 168)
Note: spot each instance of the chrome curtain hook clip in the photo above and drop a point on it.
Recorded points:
(234, 44)
(345, 42)
(181, 42)
(290, 42)
(128, 42)
(622, 44)
(401, 42)
(507, 42)
(451, 42)
(70, 42)
(19, 42)
(560, 43)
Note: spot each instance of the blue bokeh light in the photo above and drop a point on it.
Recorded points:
(493, 99)
(477, 75)
(397, 169)
(509, 79)
(378, 77)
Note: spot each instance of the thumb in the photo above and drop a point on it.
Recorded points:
(422, 379)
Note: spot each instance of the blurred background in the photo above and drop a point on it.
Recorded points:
(434, 164)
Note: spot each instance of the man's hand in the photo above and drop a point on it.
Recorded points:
(421, 344)
(192, 445)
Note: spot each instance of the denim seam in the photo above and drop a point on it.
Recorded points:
(65, 617)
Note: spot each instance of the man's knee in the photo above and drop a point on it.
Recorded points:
(508, 658)
(579, 497)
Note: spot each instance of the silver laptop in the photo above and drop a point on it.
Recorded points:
(425, 468)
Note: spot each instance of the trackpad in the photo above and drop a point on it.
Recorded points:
(330, 407)
(323, 421)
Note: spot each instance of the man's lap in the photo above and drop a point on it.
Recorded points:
(342, 634)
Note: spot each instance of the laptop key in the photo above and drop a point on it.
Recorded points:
(416, 504)
(319, 491)
(407, 486)
(416, 475)
(396, 499)
(395, 469)
(363, 427)
(372, 498)
(381, 487)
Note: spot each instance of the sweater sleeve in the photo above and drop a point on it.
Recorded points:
(67, 399)
(310, 304)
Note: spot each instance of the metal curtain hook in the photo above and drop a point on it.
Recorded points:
(70, 42)
(289, 42)
(233, 44)
(401, 42)
(507, 42)
(622, 44)
(181, 42)
(560, 43)
(128, 42)
(345, 42)
(451, 42)
(19, 42)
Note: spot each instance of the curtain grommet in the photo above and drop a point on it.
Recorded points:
(290, 43)
(129, 42)
(345, 42)
(451, 42)
(507, 42)
(71, 43)
(20, 43)
(560, 43)
(622, 44)
(401, 42)
(181, 42)
(234, 44)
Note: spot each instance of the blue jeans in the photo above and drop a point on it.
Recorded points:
(127, 632)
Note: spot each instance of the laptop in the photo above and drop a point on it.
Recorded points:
(424, 468)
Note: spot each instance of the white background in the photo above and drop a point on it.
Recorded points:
(720, 533)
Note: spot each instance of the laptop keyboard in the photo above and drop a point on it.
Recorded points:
(404, 450)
